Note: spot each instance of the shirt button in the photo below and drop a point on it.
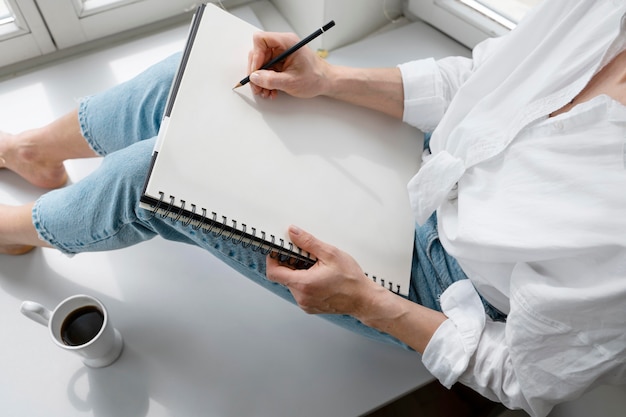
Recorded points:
(558, 125)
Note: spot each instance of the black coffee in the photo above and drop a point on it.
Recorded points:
(81, 325)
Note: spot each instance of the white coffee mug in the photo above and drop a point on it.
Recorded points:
(80, 324)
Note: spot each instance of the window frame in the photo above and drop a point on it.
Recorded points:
(16, 27)
(69, 28)
(47, 27)
(457, 19)
(30, 37)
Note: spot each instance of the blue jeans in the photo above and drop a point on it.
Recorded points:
(121, 124)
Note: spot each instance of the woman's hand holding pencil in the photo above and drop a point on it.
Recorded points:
(278, 61)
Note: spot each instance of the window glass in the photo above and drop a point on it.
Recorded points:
(513, 10)
(88, 7)
(506, 12)
(10, 24)
(5, 13)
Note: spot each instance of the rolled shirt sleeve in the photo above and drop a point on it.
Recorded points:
(471, 349)
(430, 85)
(544, 354)
(424, 104)
(454, 343)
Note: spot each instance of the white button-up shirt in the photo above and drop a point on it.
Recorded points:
(532, 207)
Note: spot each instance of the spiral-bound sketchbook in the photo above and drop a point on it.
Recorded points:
(235, 165)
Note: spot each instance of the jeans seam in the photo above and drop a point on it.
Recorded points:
(84, 126)
(72, 249)
(42, 231)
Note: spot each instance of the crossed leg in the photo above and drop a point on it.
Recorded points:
(37, 155)
(100, 212)
(117, 118)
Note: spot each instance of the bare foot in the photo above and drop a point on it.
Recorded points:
(11, 248)
(17, 232)
(21, 155)
(15, 249)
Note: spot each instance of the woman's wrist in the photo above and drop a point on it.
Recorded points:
(379, 89)
(407, 321)
(382, 309)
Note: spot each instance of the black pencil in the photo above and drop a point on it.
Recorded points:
(290, 51)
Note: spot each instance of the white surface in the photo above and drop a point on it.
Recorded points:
(199, 338)
(398, 43)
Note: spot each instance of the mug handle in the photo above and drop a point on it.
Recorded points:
(36, 312)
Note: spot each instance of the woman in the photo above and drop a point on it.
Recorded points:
(522, 194)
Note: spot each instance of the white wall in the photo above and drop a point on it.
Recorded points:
(354, 18)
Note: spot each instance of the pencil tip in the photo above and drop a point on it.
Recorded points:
(237, 86)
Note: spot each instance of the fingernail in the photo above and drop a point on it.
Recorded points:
(295, 230)
(254, 77)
